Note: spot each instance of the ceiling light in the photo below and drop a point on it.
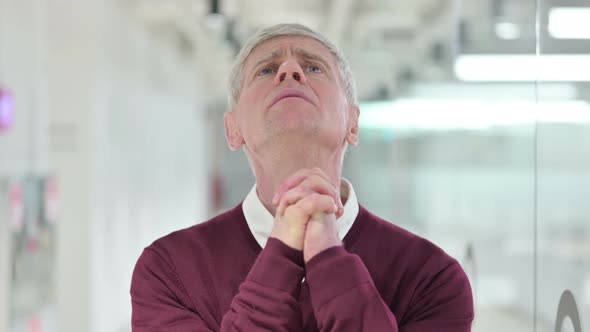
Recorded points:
(444, 114)
(494, 91)
(523, 68)
(569, 22)
(506, 30)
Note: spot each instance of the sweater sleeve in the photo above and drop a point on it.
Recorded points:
(344, 298)
(442, 301)
(343, 295)
(266, 301)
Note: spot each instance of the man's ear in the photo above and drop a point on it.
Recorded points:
(232, 131)
(352, 134)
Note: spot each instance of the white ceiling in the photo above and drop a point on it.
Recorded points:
(389, 43)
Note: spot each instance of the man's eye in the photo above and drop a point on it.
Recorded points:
(313, 69)
(265, 71)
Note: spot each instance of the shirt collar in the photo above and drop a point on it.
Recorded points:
(260, 221)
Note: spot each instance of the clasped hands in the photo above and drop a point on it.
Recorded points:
(307, 207)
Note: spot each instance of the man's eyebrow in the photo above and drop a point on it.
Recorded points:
(307, 55)
(273, 55)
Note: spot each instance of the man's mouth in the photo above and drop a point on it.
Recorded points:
(290, 93)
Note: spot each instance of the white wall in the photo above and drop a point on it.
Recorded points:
(117, 115)
(22, 148)
(22, 57)
(4, 257)
(151, 176)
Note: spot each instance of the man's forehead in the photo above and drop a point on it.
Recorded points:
(300, 45)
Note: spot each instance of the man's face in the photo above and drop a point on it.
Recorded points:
(291, 89)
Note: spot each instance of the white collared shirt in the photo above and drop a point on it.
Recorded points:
(260, 221)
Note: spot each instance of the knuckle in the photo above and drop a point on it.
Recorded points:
(309, 204)
(315, 179)
(316, 197)
(322, 201)
(286, 196)
(315, 182)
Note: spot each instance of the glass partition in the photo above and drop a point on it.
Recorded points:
(563, 172)
(475, 133)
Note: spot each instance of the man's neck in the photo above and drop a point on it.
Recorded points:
(272, 168)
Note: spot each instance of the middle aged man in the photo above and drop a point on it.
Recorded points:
(300, 253)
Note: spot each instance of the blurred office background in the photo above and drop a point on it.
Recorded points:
(475, 133)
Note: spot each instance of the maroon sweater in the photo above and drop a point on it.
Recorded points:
(215, 277)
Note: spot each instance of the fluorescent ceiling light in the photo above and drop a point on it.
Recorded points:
(569, 22)
(507, 30)
(215, 21)
(523, 68)
(445, 114)
(495, 91)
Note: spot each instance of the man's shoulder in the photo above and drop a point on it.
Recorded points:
(398, 242)
(409, 267)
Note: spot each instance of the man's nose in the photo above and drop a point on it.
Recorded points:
(290, 70)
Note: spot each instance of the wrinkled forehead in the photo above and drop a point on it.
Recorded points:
(280, 46)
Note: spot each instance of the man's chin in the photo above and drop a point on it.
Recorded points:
(298, 129)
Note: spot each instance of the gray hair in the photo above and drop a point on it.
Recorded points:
(293, 29)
